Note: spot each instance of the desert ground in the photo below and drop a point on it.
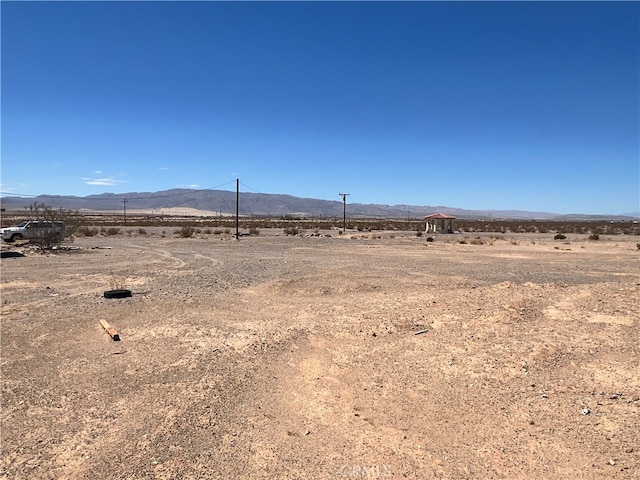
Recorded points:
(363, 355)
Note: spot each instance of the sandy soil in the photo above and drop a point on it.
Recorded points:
(281, 357)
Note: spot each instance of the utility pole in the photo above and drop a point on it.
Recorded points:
(124, 203)
(344, 211)
(237, 209)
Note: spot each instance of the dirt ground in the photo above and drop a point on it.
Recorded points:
(353, 356)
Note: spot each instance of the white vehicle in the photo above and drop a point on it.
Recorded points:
(33, 230)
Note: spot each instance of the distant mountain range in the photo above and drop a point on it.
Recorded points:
(262, 204)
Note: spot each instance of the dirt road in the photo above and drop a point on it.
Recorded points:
(323, 358)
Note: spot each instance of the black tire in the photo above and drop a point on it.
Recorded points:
(117, 293)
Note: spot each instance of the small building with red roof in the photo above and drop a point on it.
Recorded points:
(439, 222)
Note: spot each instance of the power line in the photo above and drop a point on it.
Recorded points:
(97, 198)
(290, 205)
(130, 196)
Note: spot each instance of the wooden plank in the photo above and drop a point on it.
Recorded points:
(422, 331)
(110, 330)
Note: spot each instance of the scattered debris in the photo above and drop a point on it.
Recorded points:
(420, 332)
(612, 462)
(585, 411)
(110, 330)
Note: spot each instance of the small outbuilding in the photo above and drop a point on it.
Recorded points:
(439, 223)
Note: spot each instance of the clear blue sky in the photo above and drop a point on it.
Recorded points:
(484, 105)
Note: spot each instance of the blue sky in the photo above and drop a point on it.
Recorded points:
(478, 105)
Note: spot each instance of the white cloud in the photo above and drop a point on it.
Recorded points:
(102, 181)
(163, 168)
(97, 172)
(193, 185)
(7, 188)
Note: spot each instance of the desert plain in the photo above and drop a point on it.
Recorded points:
(363, 355)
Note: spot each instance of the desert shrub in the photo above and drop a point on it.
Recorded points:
(429, 239)
(559, 236)
(462, 242)
(142, 231)
(111, 231)
(118, 282)
(254, 231)
(638, 246)
(291, 231)
(594, 236)
(87, 231)
(61, 224)
(207, 231)
(419, 233)
(187, 231)
(477, 241)
(227, 231)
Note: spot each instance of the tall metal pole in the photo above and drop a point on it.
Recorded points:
(237, 209)
(344, 211)
(124, 203)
